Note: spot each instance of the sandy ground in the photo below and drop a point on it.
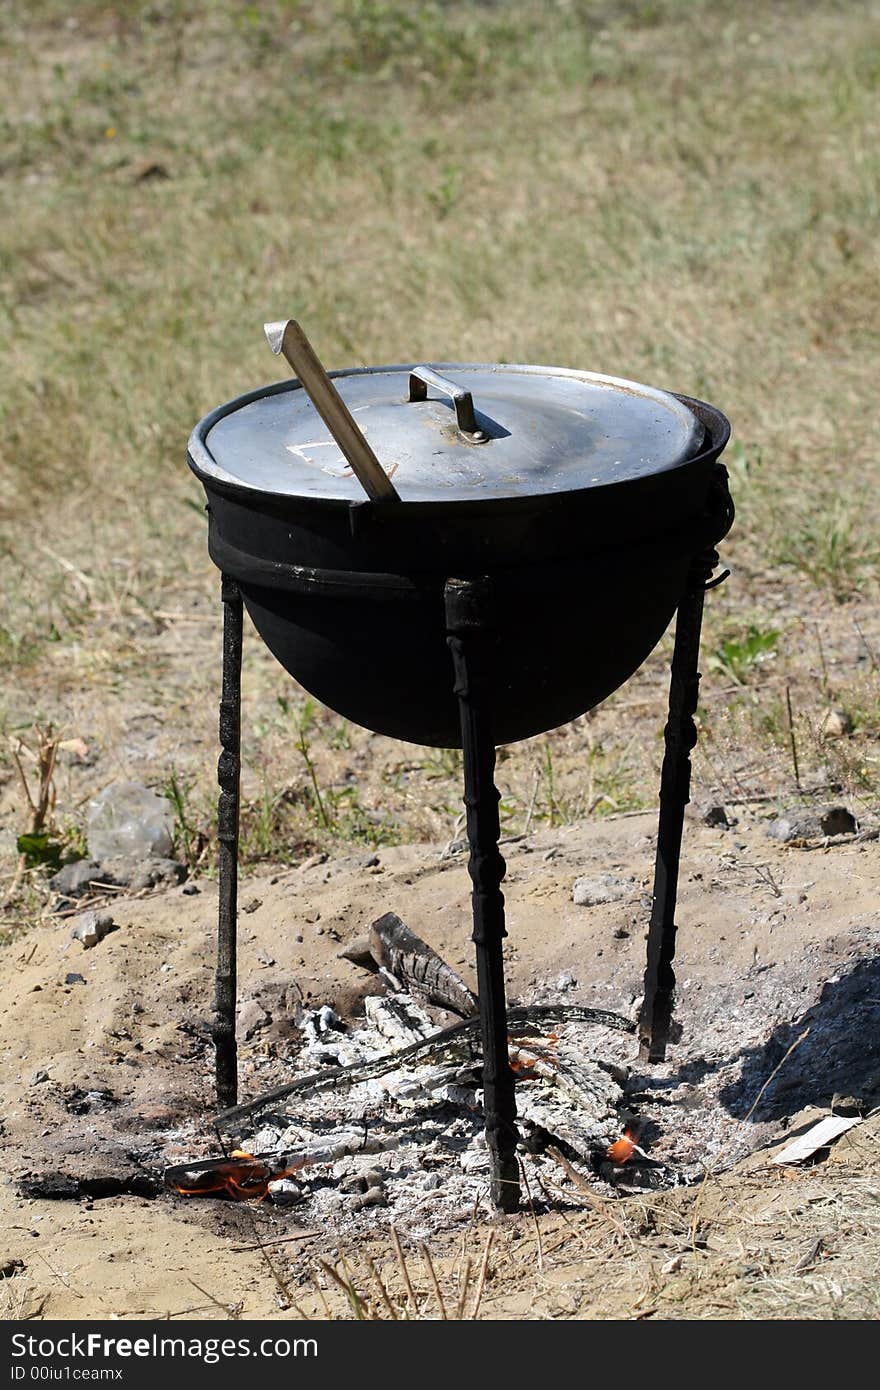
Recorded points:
(108, 1077)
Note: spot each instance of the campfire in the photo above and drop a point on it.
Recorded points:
(388, 1112)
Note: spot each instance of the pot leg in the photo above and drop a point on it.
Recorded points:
(680, 736)
(228, 775)
(467, 623)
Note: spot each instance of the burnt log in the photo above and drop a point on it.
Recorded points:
(410, 960)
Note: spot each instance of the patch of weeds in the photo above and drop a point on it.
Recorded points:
(618, 787)
(737, 658)
(443, 762)
(352, 821)
(327, 809)
(42, 846)
(304, 719)
(744, 465)
(16, 648)
(826, 546)
(560, 794)
(385, 40)
(43, 850)
(849, 761)
(557, 811)
(444, 197)
(340, 739)
(190, 838)
(770, 721)
(30, 910)
(271, 827)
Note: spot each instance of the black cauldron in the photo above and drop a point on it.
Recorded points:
(583, 499)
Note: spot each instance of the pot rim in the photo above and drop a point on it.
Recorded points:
(211, 475)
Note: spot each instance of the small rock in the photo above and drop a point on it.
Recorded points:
(190, 889)
(812, 825)
(359, 953)
(252, 1017)
(355, 1182)
(74, 879)
(605, 888)
(566, 980)
(474, 1160)
(265, 1140)
(846, 1105)
(793, 826)
(136, 873)
(373, 1197)
(706, 812)
(148, 170)
(313, 861)
(672, 1266)
(285, 1192)
(456, 846)
(252, 905)
(837, 820)
(92, 927)
(38, 1077)
(836, 723)
(617, 1073)
(73, 979)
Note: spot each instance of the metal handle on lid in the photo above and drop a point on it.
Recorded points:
(420, 378)
(289, 339)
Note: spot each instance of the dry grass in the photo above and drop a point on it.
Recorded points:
(681, 194)
(765, 1245)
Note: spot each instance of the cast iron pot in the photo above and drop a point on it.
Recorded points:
(587, 531)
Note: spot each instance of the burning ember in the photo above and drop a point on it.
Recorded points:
(623, 1149)
(241, 1177)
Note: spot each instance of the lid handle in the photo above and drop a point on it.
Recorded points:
(420, 378)
(289, 339)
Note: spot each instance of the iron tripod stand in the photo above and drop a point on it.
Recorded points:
(468, 605)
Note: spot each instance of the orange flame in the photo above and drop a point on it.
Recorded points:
(622, 1150)
(241, 1177)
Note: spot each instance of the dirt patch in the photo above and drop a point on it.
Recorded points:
(109, 1078)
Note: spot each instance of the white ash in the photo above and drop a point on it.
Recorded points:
(408, 1147)
(421, 1125)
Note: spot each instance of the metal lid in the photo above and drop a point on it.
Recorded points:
(454, 432)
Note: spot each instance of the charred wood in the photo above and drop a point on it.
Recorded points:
(459, 1035)
(396, 948)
